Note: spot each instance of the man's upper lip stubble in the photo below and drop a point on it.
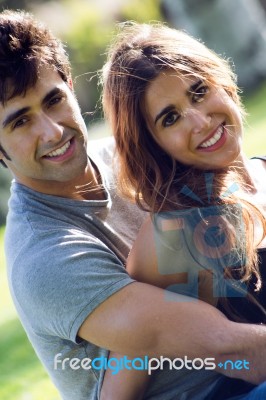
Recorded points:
(59, 146)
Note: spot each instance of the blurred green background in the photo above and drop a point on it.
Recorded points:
(86, 26)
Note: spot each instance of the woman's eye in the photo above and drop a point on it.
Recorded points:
(199, 94)
(170, 119)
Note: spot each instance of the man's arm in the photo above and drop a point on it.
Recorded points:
(127, 384)
(138, 321)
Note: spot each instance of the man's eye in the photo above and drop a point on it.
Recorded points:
(19, 122)
(199, 94)
(55, 100)
(170, 119)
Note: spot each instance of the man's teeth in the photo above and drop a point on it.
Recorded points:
(60, 151)
(214, 139)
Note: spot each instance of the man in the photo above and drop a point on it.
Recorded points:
(68, 235)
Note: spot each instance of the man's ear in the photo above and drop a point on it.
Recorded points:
(3, 155)
(2, 160)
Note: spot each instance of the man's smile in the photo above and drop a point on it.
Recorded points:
(60, 151)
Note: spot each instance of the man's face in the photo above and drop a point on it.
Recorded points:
(43, 135)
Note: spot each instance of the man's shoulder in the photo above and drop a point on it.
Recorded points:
(103, 153)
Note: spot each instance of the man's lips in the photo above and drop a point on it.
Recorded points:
(61, 152)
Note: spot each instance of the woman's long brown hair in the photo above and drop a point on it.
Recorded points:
(147, 174)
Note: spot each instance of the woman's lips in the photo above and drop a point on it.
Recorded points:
(215, 141)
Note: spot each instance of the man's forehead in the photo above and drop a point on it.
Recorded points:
(48, 81)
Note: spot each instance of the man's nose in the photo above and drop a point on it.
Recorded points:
(49, 129)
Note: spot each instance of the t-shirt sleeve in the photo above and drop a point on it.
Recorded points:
(64, 277)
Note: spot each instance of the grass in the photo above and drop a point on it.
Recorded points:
(21, 374)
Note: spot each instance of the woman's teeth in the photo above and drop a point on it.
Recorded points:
(214, 139)
(59, 152)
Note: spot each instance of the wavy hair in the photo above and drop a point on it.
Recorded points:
(147, 174)
(138, 55)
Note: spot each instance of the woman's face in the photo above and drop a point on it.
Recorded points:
(197, 124)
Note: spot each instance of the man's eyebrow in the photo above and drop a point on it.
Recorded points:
(11, 117)
(164, 111)
(14, 115)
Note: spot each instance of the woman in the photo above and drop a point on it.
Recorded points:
(177, 118)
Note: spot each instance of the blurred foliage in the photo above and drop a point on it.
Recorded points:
(16, 4)
(5, 178)
(87, 37)
(89, 32)
(255, 126)
(142, 11)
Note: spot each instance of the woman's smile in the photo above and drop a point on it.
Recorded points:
(190, 121)
(215, 140)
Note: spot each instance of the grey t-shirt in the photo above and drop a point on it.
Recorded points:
(65, 257)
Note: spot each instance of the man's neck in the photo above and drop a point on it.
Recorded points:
(86, 186)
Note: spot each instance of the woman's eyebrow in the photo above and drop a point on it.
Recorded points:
(195, 86)
(164, 111)
(171, 107)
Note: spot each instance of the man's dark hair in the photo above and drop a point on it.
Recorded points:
(25, 46)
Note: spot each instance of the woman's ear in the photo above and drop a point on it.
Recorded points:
(70, 83)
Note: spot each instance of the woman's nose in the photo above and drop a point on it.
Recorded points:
(199, 120)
